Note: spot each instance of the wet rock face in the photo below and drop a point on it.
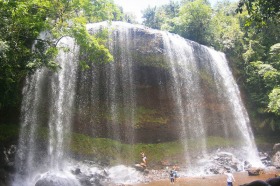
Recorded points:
(140, 99)
(109, 108)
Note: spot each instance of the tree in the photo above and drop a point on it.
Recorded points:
(268, 73)
(262, 72)
(194, 21)
(260, 11)
(161, 17)
(168, 14)
(226, 29)
(21, 23)
(150, 18)
(129, 18)
(271, 74)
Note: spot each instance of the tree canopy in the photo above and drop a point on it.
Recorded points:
(260, 11)
(21, 23)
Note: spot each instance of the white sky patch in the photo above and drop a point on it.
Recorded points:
(136, 6)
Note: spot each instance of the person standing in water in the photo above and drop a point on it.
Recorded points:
(172, 176)
(174, 169)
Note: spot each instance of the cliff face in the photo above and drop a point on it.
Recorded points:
(133, 99)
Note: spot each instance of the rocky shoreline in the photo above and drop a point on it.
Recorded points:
(90, 173)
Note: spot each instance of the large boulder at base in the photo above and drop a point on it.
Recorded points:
(256, 183)
(139, 167)
(276, 159)
(55, 180)
(274, 181)
(254, 171)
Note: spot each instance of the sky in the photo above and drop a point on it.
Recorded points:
(136, 6)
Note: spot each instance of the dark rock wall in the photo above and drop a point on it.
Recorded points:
(154, 117)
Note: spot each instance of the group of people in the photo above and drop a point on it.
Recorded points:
(173, 172)
(173, 175)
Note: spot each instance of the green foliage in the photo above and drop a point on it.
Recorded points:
(8, 133)
(129, 18)
(191, 20)
(274, 101)
(260, 68)
(94, 50)
(225, 25)
(22, 22)
(194, 20)
(254, 51)
(161, 17)
(110, 150)
(260, 11)
(269, 75)
(274, 55)
(150, 18)
(272, 76)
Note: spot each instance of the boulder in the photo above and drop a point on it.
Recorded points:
(9, 154)
(139, 167)
(76, 171)
(276, 159)
(222, 161)
(254, 171)
(51, 179)
(95, 179)
(276, 147)
(265, 158)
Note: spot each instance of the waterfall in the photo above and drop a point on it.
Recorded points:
(186, 58)
(47, 94)
(160, 87)
(185, 87)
